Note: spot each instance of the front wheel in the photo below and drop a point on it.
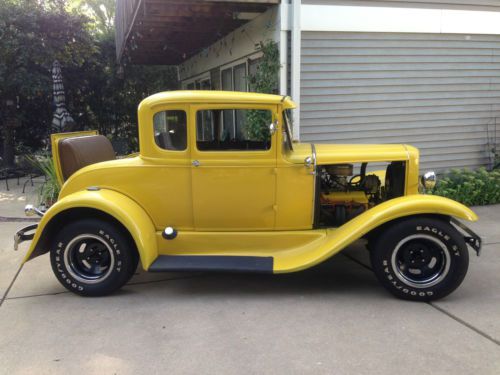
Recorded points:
(93, 257)
(420, 259)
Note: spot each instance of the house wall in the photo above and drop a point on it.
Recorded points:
(487, 5)
(237, 46)
(437, 91)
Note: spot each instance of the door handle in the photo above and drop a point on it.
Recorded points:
(195, 163)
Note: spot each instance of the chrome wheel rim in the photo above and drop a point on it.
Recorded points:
(421, 261)
(89, 258)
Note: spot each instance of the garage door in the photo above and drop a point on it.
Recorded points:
(438, 92)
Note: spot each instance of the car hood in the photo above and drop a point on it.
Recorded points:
(355, 153)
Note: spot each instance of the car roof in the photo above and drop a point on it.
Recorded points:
(204, 96)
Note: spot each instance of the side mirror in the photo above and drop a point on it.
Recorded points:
(273, 127)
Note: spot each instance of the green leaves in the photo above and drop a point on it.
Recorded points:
(257, 124)
(472, 188)
(264, 80)
(49, 190)
(101, 12)
(79, 34)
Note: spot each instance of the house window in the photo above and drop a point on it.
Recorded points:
(199, 84)
(252, 66)
(214, 131)
(202, 84)
(228, 115)
(235, 79)
(240, 77)
(170, 130)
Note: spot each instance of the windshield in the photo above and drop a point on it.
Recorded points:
(288, 136)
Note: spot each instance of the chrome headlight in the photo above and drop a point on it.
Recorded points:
(30, 210)
(429, 180)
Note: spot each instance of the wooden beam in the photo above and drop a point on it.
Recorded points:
(152, 28)
(189, 21)
(194, 8)
(170, 31)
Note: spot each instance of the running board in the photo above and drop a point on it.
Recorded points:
(212, 263)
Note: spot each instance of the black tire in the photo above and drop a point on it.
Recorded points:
(420, 259)
(93, 257)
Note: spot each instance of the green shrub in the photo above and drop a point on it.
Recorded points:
(49, 190)
(472, 188)
(264, 80)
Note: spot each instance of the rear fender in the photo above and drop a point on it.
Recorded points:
(106, 203)
(338, 239)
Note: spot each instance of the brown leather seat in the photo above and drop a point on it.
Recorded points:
(78, 152)
(175, 138)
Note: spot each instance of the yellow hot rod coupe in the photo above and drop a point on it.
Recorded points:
(218, 185)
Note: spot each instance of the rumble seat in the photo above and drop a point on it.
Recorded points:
(78, 152)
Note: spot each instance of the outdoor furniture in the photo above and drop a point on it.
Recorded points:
(7, 173)
(4, 176)
(23, 169)
(30, 180)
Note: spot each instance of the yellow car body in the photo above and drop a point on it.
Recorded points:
(249, 204)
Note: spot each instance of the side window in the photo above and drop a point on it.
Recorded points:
(233, 130)
(170, 130)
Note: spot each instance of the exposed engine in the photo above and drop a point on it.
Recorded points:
(344, 195)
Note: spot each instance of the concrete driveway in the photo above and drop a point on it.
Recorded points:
(334, 319)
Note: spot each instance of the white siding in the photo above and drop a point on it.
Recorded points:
(438, 92)
(444, 4)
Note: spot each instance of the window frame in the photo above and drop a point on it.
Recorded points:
(271, 152)
(156, 146)
(197, 81)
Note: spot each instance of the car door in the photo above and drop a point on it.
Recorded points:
(233, 167)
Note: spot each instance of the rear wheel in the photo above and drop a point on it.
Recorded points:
(93, 257)
(420, 259)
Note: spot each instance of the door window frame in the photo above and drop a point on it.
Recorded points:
(233, 156)
(152, 149)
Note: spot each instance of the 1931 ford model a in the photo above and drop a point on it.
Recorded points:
(218, 184)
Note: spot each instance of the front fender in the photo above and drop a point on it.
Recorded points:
(338, 239)
(119, 206)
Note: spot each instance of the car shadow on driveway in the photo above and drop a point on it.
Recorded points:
(338, 276)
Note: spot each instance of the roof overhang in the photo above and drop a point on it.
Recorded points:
(167, 32)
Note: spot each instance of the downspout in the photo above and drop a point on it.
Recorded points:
(283, 43)
(179, 83)
(295, 65)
